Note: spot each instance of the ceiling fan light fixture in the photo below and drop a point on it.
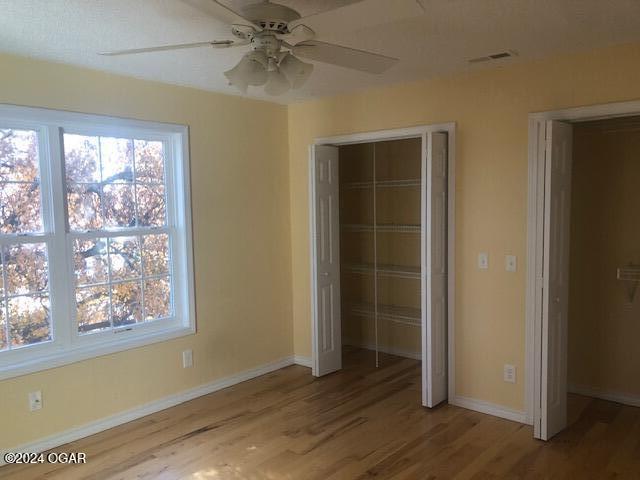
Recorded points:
(277, 84)
(278, 37)
(252, 70)
(296, 71)
(237, 79)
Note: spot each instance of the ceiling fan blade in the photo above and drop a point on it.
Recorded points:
(360, 15)
(298, 34)
(179, 46)
(221, 12)
(344, 56)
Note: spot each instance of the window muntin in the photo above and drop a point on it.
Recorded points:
(145, 300)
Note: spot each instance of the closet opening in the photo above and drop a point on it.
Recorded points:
(380, 264)
(583, 267)
(603, 368)
(382, 255)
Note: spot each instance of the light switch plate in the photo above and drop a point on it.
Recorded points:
(510, 263)
(483, 261)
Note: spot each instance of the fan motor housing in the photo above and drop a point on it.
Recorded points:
(267, 42)
(271, 16)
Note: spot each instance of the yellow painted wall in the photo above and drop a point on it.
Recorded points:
(491, 110)
(249, 174)
(604, 324)
(239, 169)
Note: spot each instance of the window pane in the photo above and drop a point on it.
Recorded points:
(155, 254)
(149, 162)
(26, 268)
(124, 255)
(84, 203)
(126, 303)
(100, 182)
(29, 320)
(157, 298)
(93, 309)
(90, 259)
(81, 158)
(118, 183)
(20, 207)
(117, 160)
(119, 206)
(18, 156)
(151, 206)
(3, 328)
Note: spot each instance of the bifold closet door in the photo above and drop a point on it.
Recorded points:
(327, 341)
(555, 296)
(434, 364)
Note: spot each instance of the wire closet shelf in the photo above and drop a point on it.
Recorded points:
(376, 311)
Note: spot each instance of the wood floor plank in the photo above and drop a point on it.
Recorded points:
(360, 423)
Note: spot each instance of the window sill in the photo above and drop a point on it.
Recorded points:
(54, 359)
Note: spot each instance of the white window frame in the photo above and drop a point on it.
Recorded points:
(67, 346)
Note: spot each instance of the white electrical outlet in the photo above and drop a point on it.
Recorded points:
(35, 400)
(483, 261)
(510, 373)
(187, 358)
(510, 263)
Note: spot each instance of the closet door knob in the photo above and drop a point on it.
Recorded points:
(326, 274)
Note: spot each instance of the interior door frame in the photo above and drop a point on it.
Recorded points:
(535, 241)
(423, 133)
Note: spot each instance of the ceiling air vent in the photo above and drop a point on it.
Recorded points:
(494, 56)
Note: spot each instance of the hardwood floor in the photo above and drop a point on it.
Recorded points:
(360, 423)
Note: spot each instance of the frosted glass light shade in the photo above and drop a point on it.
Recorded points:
(252, 70)
(237, 79)
(277, 84)
(296, 71)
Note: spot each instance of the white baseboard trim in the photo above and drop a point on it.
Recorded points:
(302, 361)
(623, 398)
(97, 426)
(391, 351)
(489, 408)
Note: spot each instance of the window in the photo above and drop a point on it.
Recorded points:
(95, 237)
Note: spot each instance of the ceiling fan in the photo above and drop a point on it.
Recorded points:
(277, 36)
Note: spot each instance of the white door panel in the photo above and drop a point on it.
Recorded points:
(434, 305)
(558, 158)
(327, 342)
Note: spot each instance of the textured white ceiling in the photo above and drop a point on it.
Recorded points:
(440, 41)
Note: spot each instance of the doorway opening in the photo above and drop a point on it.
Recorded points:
(582, 262)
(604, 271)
(381, 208)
